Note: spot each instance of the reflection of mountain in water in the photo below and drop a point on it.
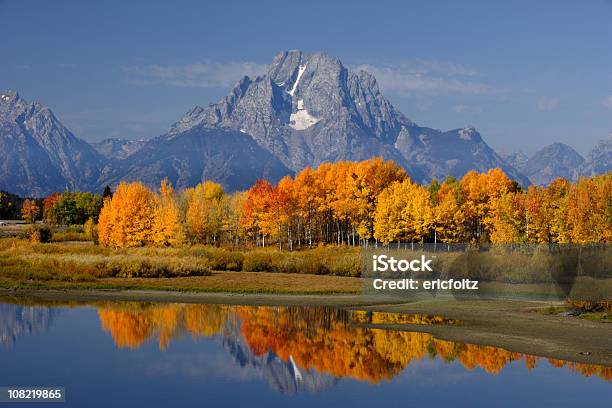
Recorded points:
(283, 376)
(17, 321)
(286, 344)
(296, 349)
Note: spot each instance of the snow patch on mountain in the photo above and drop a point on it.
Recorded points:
(466, 134)
(301, 70)
(302, 119)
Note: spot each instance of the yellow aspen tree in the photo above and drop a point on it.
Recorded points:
(235, 215)
(168, 227)
(369, 179)
(557, 199)
(588, 210)
(507, 219)
(449, 214)
(205, 211)
(343, 204)
(387, 215)
(105, 223)
(497, 184)
(127, 218)
(420, 212)
(306, 192)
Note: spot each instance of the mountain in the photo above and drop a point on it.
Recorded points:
(309, 108)
(551, 162)
(598, 161)
(38, 155)
(560, 160)
(229, 157)
(453, 153)
(118, 148)
(515, 159)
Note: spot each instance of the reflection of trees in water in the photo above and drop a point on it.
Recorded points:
(131, 324)
(324, 340)
(283, 375)
(17, 321)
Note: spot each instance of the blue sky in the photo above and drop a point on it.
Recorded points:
(524, 73)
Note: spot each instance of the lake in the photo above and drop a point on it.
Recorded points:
(113, 354)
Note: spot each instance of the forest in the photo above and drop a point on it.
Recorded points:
(343, 203)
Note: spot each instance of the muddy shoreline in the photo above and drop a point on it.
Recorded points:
(515, 325)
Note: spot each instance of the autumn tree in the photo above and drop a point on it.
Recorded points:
(30, 211)
(127, 219)
(168, 225)
(205, 211)
(49, 208)
(419, 212)
(479, 190)
(357, 202)
(234, 224)
(343, 203)
(589, 210)
(389, 224)
(305, 189)
(368, 179)
(255, 208)
(449, 215)
(278, 210)
(507, 219)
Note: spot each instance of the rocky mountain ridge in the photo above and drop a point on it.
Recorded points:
(38, 155)
(308, 108)
(560, 160)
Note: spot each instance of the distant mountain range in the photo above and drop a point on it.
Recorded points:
(307, 109)
(38, 155)
(560, 160)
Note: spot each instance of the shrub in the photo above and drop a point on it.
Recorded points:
(258, 261)
(591, 306)
(39, 275)
(77, 229)
(91, 230)
(39, 234)
(67, 236)
(140, 267)
(220, 259)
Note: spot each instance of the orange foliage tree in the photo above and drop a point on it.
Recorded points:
(359, 203)
(30, 211)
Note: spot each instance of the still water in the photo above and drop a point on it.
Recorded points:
(114, 354)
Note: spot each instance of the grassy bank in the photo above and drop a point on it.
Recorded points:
(82, 265)
(222, 282)
(19, 257)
